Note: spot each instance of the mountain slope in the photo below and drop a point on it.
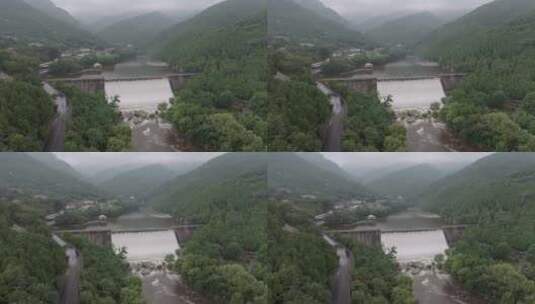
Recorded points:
(138, 30)
(49, 8)
(29, 175)
(311, 175)
(223, 14)
(321, 9)
(138, 183)
(498, 181)
(407, 30)
(233, 177)
(287, 18)
(19, 19)
(474, 29)
(408, 182)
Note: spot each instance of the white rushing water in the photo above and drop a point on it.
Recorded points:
(418, 246)
(140, 95)
(146, 246)
(412, 94)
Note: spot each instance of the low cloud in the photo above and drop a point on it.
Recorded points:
(122, 7)
(385, 7)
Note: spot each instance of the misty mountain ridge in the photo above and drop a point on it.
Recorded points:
(407, 30)
(138, 30)
(301, 24)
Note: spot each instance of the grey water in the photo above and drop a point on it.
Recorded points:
(430, 285)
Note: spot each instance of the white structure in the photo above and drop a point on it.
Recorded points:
(146, 246)
(417, 94)
(140, 95)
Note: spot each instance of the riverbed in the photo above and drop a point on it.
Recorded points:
(416, 250)
(146, 253)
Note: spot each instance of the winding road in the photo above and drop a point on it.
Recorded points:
(335, 130)
(56, 139)
(342, 279)
(71, 287)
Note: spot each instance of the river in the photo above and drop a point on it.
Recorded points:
(140, 98)
(416, 94)
(415, 252)
(145, 253)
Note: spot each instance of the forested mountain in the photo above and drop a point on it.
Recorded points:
(289, 19)
(298, 175)
(493, 109)
(408, 183)
(496, 257)
(321, 9)
(502, 177)
(138, 183)
(232, 176)
(49, 8)
(476, 24)
(138, 31)
(26, 23)
(223, 108)
(29, 175)
(407, 30)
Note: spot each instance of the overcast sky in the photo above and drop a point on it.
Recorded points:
(121, 7)
(385, 7)
(101, 161)
(368, 161)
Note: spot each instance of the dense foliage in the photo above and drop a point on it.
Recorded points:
(224, 260)
(494, 45)
(30, 262)
(223, 108)
(370, 123)
(95, 123)
(25, 109)
(105, 277)
(495, 258)
(376, 278)
(25, 114)
(300, 260)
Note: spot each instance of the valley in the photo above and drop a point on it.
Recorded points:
(291, 226)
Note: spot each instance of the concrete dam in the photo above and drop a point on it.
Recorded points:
(407, 92)
(143, 93)
(447, 235)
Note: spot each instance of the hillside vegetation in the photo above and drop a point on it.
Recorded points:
(299, 23)
(29, 175)
(26, 23)
(496, 258)
(493, 108)
(138, 31)
(407, 30)
(223, 108)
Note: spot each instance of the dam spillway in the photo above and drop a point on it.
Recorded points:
(412, 94)
(139, 95)
(150, 246)
(415, 246)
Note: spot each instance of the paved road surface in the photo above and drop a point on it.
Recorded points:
(342, 279)
(55, 142)
(71, 287)
(335, 130)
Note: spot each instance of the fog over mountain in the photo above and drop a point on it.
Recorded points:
(369, 165)
(91, 163)
(371, 8)
(91, 9)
